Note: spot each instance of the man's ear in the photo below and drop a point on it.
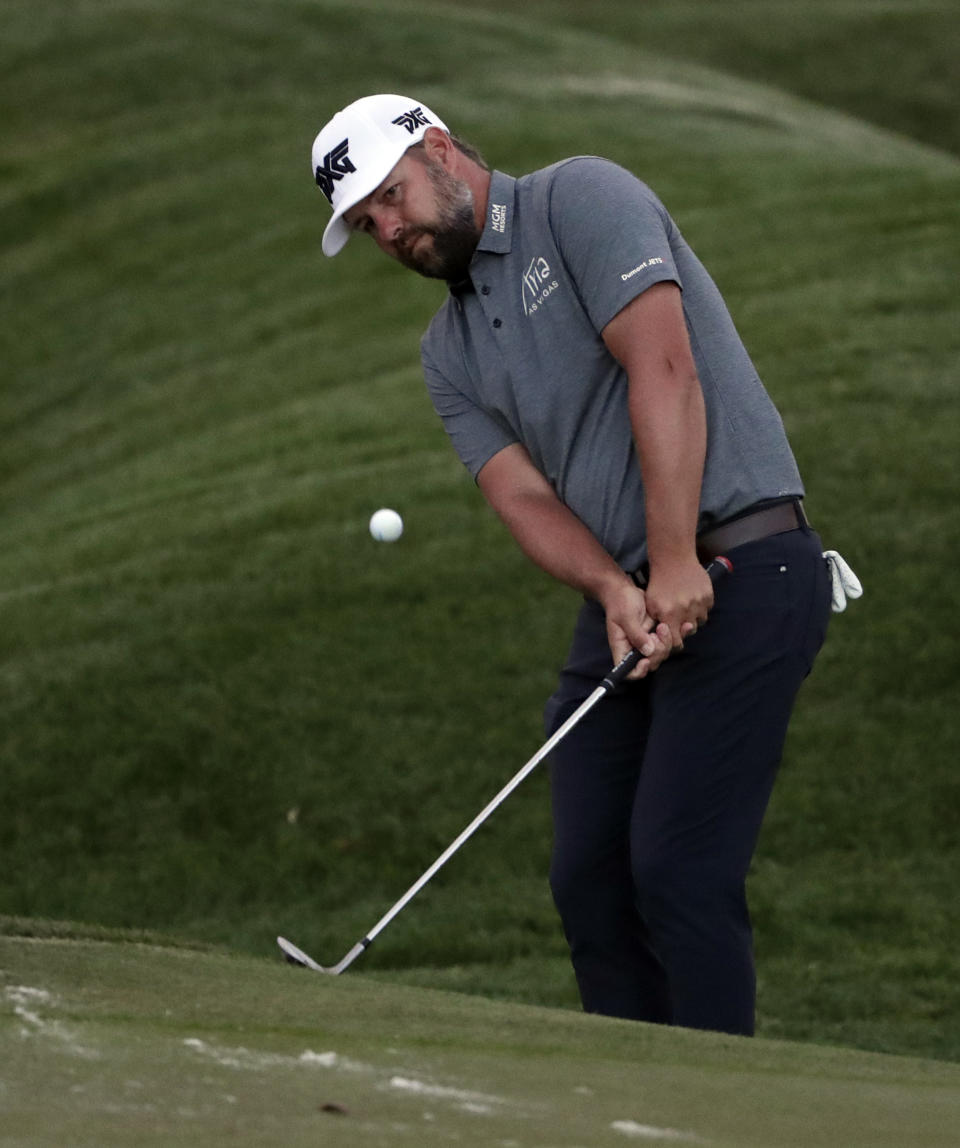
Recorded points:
(438, 146)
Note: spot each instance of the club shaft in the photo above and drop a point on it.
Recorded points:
(482, 816)
(716, 570)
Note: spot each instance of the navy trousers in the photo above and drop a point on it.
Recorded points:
(659, 793)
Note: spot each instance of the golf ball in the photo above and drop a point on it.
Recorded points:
(386, 525)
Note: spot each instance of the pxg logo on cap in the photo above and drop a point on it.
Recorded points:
(336, 164)
(356, 151)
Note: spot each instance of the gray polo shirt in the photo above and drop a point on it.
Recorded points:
(520, 358)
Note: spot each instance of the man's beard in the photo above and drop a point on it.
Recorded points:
(455, 234)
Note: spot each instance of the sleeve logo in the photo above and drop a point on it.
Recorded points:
(652, 262)
(336, 164)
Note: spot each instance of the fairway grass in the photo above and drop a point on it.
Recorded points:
(118, 1043)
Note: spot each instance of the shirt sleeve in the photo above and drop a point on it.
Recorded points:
(477, 435)
(613, 232)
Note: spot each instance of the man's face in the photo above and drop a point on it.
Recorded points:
(421, 216)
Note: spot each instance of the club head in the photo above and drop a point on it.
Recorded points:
(295, 956)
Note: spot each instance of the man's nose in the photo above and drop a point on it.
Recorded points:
(388, 225)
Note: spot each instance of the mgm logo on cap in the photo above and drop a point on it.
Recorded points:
(356, 151)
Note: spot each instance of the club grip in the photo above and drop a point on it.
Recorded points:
(718, 568)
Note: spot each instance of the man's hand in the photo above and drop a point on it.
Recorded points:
(549, 533)
(680, 597)
(631, 627)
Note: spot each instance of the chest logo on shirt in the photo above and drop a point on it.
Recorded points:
(538, 285)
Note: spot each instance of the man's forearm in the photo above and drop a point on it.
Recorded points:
(552, 536)
(667, 417)
(669, 427)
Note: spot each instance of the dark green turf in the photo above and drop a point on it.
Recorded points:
(116, 1043)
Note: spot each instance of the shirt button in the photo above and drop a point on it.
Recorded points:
(484, 290)
(497, 323)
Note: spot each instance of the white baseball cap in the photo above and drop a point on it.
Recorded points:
(356, 151)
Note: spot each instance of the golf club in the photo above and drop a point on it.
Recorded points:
(716, 569)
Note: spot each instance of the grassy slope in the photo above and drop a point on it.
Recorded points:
(114, 1043)
(228, 711)
(888, 62)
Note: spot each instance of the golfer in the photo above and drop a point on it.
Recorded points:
(592, 381)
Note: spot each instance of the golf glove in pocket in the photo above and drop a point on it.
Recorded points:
(844, 584)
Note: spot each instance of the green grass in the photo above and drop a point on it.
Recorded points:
(109, 1042)
(226, 711)
(889, 62)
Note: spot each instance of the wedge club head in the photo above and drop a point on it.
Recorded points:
(295, 956)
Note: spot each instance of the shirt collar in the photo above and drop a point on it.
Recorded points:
(497, 234)
(501, 203)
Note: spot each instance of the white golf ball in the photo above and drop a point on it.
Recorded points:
(386, 525)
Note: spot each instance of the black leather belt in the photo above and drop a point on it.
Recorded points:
(749, 527)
